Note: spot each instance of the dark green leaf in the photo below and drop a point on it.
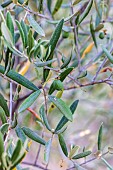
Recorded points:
(3, 104)
(19, 79)
(65, 73)
(64, 120)
(86, 12)
(21, 32)
(29, 101)
(4, 128)
(2, 115)
(66, 62)
(93, 32)
(82, 155)
(24, 28)
(33, 135)
(20, 133)
(57, 6)
(30, 42)
(44, 117)
(63, 144)
(55, 37)
(10, 25)
(1, 145)
(5, 4)
(16, 151)
(100, 137)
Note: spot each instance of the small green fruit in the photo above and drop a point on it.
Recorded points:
(65, 34)
(58, 85)
(101, 35)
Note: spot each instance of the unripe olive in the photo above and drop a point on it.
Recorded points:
(101, 35)
(58, 85)
(65, 34)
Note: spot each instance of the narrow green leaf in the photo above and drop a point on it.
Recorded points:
(19, 79)
(24, 28)
(16, 151)
(33, 135)
(20, 133)
(65, 73)
(29, 101)
(6, 33)
(93, 32)
(82, 155)
(76, 2)
(19, 159)
(40, 6)
(2, 115)
(57, 6)
(109, 56)
(49, 3)
(73, 151)
(5, 4)
(4, 128)
(21, 32)
(100, 137)
(63, 144)
(44, 117)
(82, 75)
(86, 12)
(61, 105)
(30, 42)
(54, 39)
(64, 120)
(3, 104)
(35, 26)
(47, 151)
(10, 25)
(1, 145)
(66, 62)
(42, 64)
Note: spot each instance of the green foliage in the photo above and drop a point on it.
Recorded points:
(62, 51)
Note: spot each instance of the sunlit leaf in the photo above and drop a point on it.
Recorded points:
(35, 25)
(61, 105)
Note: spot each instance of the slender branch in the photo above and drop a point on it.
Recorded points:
(90, 160)
(30, 164)
(99, 68)
(39, 149)
(107, 81)
(76, 39)
(32, 12)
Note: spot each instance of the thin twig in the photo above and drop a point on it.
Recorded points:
(30, 164)
(90, 160)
